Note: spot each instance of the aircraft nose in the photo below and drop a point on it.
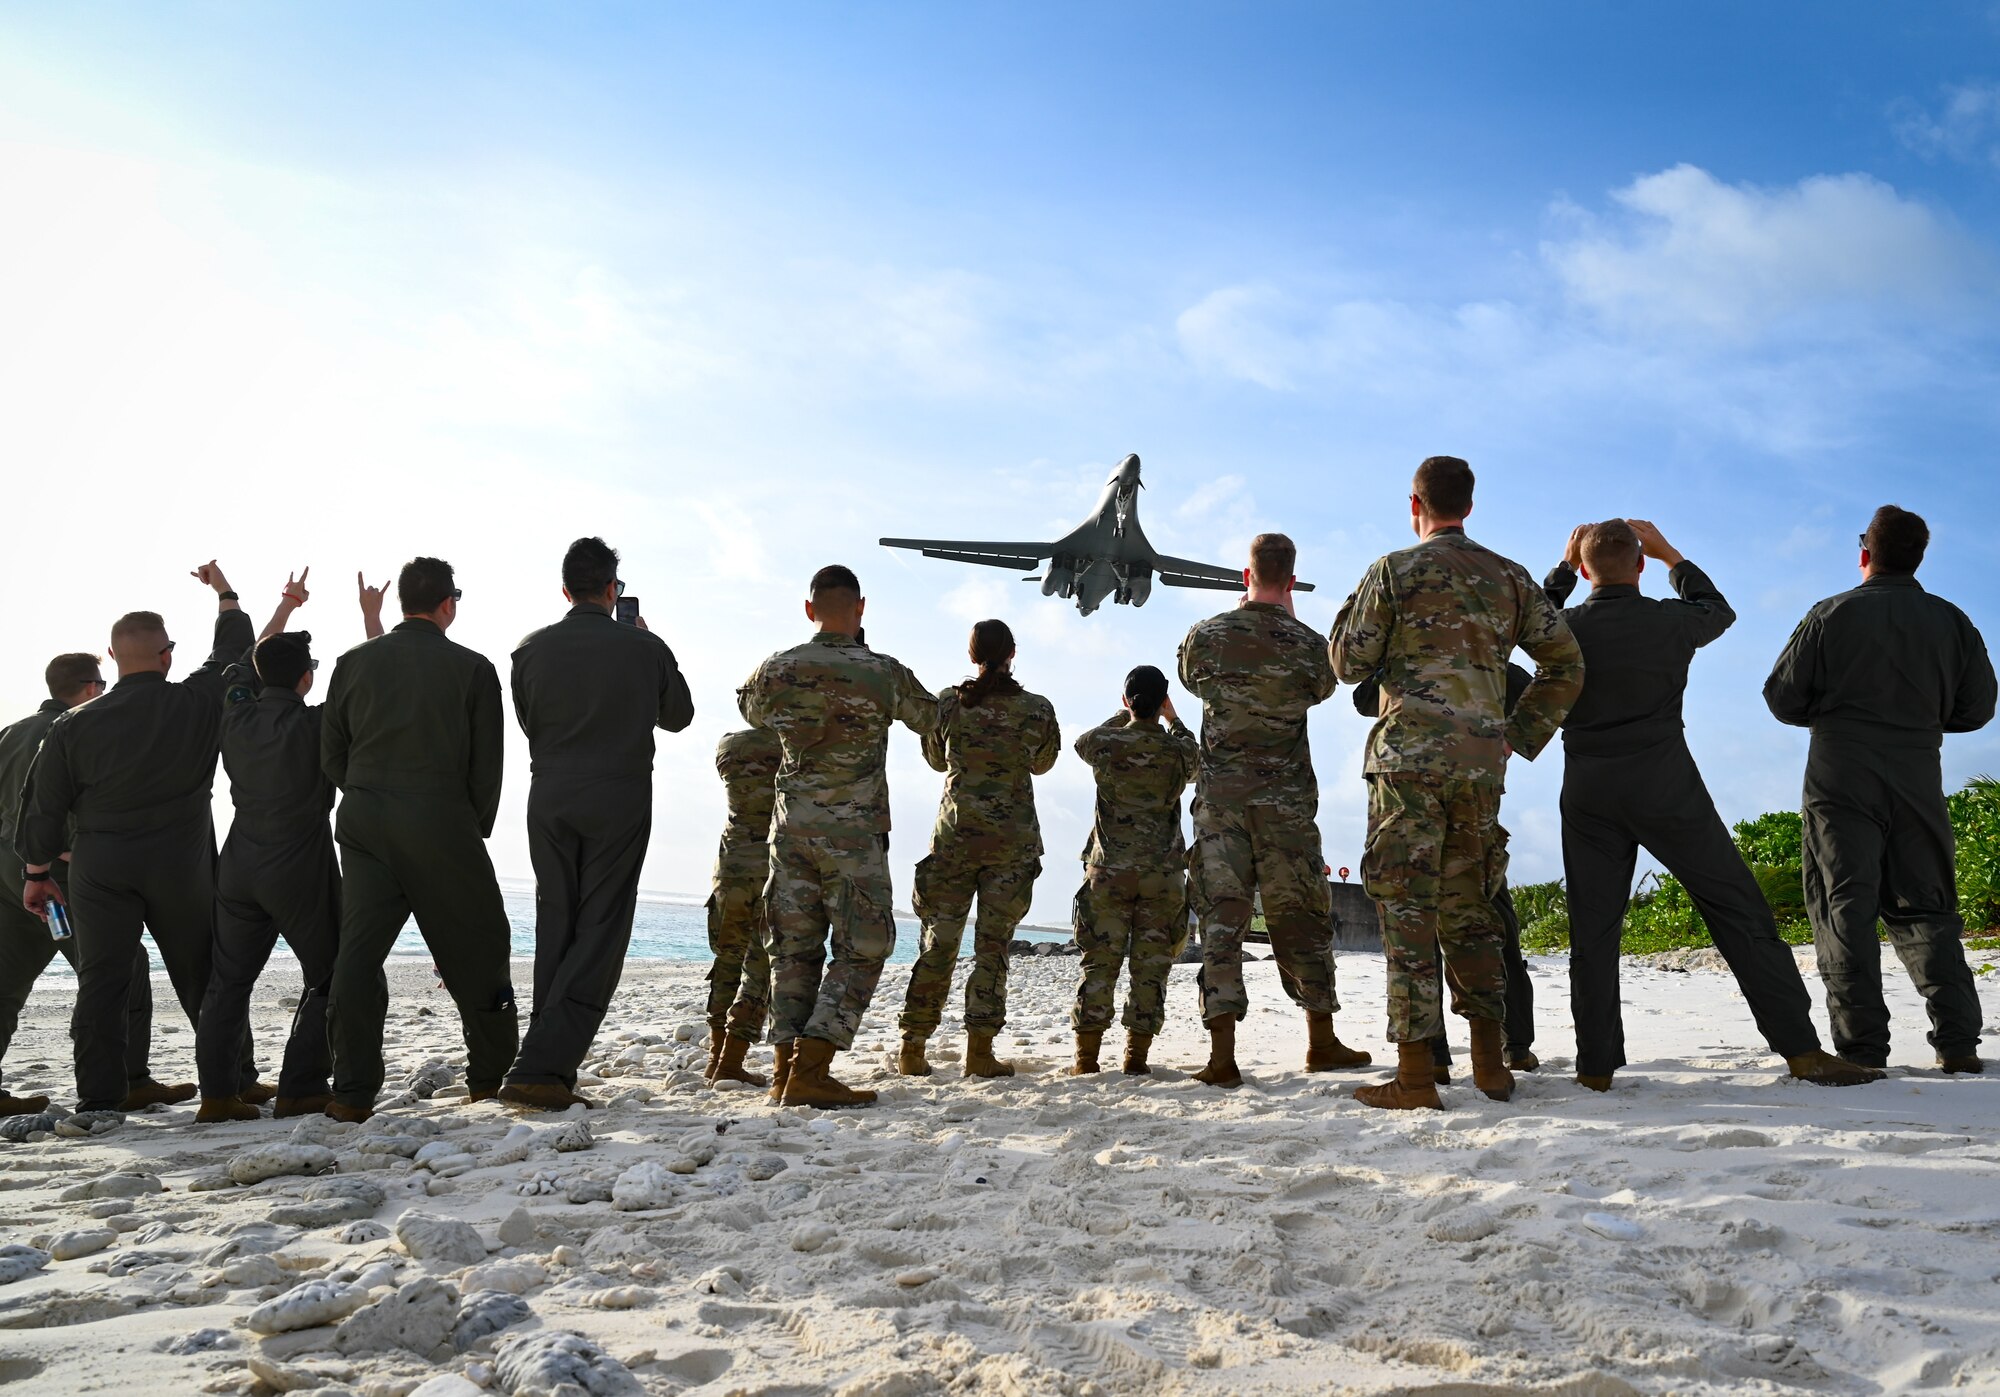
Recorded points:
(1128, 469)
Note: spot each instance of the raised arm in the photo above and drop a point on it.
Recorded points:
(1702, 610)
(233, 634)
(371, 605)
(1090, 745)
(291, 599)
(1360, 639)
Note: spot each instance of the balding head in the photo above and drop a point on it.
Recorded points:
(139, 643)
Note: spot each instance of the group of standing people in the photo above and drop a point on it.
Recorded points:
(114, 784)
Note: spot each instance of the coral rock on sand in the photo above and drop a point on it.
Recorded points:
(84, 1241)
(418, 1317)
(331, 1202)
(516, 1277)
(19, 1128)
(126, 1183)
(487, 1312)
(444, 1240)
(541, 1365)
(17, 1262)
(448, 1385)
(273, 1161)
(296, 1377)
(517, 1229)
(306, 1307)
(569, 1137)
(647, 1184)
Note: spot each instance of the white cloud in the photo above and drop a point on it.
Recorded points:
(1965, 127)
(1694, 253)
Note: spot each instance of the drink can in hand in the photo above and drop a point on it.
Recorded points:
(59, 927)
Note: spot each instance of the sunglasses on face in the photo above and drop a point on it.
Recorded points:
(619, 583)
(1864, 540)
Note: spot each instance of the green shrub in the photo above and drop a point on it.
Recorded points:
(1975, 821)
(1777, 838)
(1543, 911)
(1546, 934)
(1661, 917)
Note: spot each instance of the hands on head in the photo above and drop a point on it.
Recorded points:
(1653, 544)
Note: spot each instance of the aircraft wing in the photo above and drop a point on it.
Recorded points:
(993, 555)
(1180, 572)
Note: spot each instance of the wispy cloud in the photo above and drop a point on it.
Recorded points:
(1963, 126)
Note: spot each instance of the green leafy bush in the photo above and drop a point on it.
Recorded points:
(1975, 820)
(1543, 910)
(1777, 838)
(1661, 917)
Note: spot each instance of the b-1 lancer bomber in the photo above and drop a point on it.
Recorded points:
(1107, 555)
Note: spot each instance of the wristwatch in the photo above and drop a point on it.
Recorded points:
(227, 596)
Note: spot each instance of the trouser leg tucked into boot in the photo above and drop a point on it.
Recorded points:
(1324, 1050)
(716, 1038)
(781, 1071)
(1087, 1045)
(1137, 1045)
(812, 1083)
(1440, 1060)
(1413, 1088)
(910, 1059)
(729, 1067)
(979, 1059)
(1489, 1072)
(1221, 1070)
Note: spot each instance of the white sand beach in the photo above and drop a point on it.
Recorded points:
(1708, 1227)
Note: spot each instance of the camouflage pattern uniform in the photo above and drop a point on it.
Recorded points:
(831, 702)
(1439, 620)
(1133, 904)
(1258, 670)
(739, 983)
(987, 842)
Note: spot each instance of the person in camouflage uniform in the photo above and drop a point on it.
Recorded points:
(1133, 903)
(992, 736)
(1258, 670)
(831, 701)
(1438, 622)
(739, 983)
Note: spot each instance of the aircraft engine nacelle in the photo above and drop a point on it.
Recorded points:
(1059, 580)
(1137, 589)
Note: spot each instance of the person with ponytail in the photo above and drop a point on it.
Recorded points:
(992, 737)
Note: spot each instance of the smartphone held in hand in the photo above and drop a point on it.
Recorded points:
(628, 610)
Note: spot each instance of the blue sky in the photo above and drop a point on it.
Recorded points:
(744, 289)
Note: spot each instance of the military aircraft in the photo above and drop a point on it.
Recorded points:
(1107, 555)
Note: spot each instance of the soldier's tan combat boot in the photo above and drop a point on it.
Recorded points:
(730, 1068)
(1324, 1050)
(1137, 1045)
(1823, 1069)
(22, 1105)
(812, 1084)
(910, 1059)
(1593, 1081)
(1411, 1089)
(1489, 1072)
(285, 1107)
(1522, 1061)
(717, 1040)
(140, 1095)
(1221, 1070)
(225, 1108)
(257, 1093)
(349, 1115)
(979, 1059)
(1087, 1046)
(781, 1071)
(1960, 1062)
